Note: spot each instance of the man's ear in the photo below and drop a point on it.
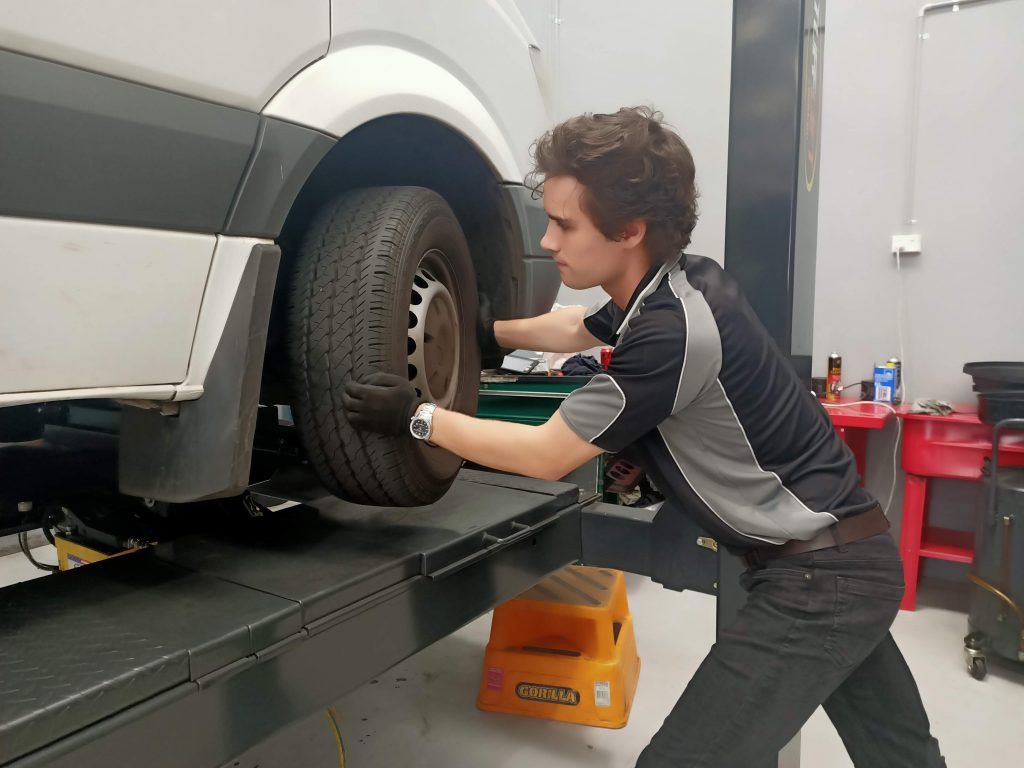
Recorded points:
(633, 233)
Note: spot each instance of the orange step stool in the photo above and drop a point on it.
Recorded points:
(565, 650)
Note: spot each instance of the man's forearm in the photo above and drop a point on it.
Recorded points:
(499, 445)
(548, 452)
(559, 331)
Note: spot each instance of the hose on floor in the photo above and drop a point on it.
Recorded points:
(332, 718)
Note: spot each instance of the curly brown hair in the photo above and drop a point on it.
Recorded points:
(632, 166)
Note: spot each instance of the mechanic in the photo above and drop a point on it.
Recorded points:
(700, 397)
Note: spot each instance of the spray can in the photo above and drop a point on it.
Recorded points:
(834, 379)
(885, 383)
(897, 391)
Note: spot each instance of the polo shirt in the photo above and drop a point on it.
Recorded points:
(699, 395)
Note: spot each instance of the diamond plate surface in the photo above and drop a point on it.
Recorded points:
(79, 646)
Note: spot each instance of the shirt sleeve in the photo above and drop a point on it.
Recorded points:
(641, 388)
(602, 320)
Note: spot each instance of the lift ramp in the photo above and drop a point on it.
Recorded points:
(192, 651)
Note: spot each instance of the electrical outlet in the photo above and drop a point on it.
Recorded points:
(906, 244)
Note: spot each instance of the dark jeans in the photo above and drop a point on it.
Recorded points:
(814, 631)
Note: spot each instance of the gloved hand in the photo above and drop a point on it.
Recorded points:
(381, 402)
(491, 354)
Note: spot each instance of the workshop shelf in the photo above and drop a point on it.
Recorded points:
(952, 447)
(947, 544)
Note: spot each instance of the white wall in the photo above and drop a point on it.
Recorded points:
(963, 294)
(673, 55)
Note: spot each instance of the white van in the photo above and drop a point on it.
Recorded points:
(209, 209)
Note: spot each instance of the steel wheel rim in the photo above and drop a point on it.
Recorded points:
(434, 330)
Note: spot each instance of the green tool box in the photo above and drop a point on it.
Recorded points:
(533, 399)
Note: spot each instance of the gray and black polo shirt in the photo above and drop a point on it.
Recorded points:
(705, 402)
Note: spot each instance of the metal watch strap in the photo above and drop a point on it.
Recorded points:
(424, 413)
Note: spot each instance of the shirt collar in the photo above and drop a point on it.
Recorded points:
(646, 287)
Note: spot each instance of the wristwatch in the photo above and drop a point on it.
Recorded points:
(422, 423)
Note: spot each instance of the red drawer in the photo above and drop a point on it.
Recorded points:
(954, 446)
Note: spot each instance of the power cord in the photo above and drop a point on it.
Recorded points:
(332, 719)
(895, 447)
(23, 543)
(899, 326)
(23, 538)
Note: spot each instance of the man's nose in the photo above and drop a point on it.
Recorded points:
(549, 241)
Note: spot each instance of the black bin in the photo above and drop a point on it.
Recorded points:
(1000, 388)
(996, 619)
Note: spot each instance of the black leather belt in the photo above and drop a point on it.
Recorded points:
(848, 529)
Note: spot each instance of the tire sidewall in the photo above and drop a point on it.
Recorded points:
(436, 228)
(349, 316)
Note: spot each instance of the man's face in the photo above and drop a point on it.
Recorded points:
(585, 257)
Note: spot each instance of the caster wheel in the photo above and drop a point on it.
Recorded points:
(978, 668)
(974, 655)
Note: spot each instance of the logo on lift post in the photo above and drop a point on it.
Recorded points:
(813, 54)
(550, 693)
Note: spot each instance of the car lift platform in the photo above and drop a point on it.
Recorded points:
(192, 651)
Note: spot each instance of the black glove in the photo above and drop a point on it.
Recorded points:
(491, 354)
(381, 402)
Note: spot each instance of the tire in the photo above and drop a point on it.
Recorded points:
(382, 281)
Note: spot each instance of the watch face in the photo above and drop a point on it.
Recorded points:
(420, 428)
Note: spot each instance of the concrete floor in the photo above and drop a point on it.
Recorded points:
(422, 712)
